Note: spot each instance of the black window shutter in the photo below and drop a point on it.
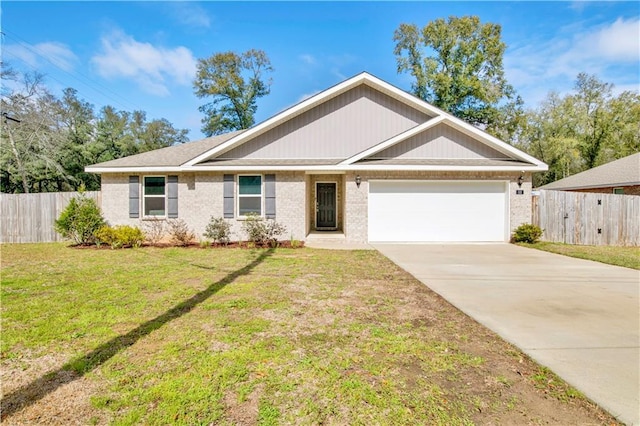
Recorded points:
(134, 196)
(172, 199)
(270, 196)
(228, 204)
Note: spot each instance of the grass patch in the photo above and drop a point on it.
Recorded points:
(629, 257)
(190, 336)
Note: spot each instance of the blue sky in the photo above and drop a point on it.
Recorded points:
(142, 55)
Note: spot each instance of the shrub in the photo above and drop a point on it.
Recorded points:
(218, 230)
(180, 232)
(262, 231)
(154, 230)
(120, 236)
(526, 233)
(80, 220)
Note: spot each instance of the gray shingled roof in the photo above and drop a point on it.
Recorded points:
(239, 162)
(172, 156)
(443, 162)
(622, 172)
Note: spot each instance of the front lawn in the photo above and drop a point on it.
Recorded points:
(237, 336)
(628, 257)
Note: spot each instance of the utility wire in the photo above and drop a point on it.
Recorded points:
(91, 84)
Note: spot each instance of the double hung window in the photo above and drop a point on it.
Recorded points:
(249, 195)
(154, 199)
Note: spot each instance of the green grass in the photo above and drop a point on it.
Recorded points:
(628, 257)
(201, 336)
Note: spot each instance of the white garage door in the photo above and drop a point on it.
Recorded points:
(434, 211)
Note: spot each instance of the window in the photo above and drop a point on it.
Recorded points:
(618, 190)
(249, 195)
(154, 199)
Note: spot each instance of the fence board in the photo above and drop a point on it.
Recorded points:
(587, 218)
(29, 218)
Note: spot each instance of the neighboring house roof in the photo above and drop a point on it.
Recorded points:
(622, 172)
(361, 123)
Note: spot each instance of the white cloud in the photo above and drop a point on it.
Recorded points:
(553, 64)
(148, 65)
(35, 55)
(308, 59)
(619, 41)
(190, 14)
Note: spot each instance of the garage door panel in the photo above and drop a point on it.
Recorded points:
(430, 211)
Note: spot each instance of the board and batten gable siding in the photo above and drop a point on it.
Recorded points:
(201, 196)
(339, 128)
(441, 141)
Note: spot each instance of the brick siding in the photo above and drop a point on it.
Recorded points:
(200, 196)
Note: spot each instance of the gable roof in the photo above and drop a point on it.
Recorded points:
(169, 157)
(622, 172)
(206, 154)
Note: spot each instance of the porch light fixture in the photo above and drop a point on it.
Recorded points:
(358, 181)
(520, 180)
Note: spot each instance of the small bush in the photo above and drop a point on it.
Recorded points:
(263, 231)
(218, 230)
(154, 230)
(80, 220)
(180, 232)
(526, 233)
(120, 236)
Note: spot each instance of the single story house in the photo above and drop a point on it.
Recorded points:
(363, 160)
(621, 176)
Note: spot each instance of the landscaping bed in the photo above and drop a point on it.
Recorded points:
(254, 336)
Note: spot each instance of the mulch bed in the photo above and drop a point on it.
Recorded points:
(195, 245)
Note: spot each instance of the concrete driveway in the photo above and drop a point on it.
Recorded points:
(579, 318)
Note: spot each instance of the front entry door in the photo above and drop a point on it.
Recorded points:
(326, 206)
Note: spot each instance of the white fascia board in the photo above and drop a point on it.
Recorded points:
(154, 169)
(338, 169)
(406, 97)
(492, 141)
(394, 140)
(279, 118)
(456, 122)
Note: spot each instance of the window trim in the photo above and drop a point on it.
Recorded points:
(238, 195)
(144, 197)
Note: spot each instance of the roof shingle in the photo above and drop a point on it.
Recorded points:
(622, 172)
(172, 156)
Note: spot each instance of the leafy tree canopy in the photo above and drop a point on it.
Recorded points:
(47, 141)
(457, 66)
(234, 82)
(582, 129)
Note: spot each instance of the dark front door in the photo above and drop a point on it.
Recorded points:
(326, 205)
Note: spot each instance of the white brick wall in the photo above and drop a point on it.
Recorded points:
(357, 210)
(200, 196)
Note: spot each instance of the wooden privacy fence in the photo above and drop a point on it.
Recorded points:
(587, 218)
(29, 218)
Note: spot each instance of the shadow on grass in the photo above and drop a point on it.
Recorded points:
(78, 367)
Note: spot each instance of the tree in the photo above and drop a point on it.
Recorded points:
(47, 142)
(582, 129)
(234, 82)
(457, 66)
(29, 152)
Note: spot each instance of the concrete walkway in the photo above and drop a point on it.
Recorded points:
(579, 318)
